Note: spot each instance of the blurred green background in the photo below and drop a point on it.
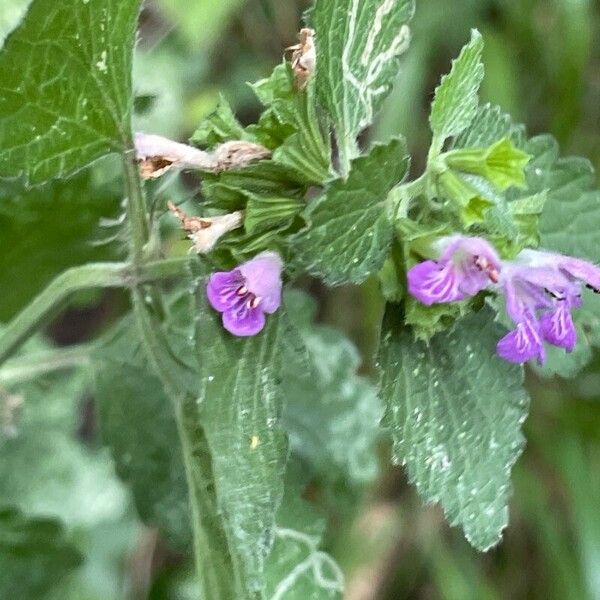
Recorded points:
(542, 62)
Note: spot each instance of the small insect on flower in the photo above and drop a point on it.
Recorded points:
(206, 231)
(304, 57)
(248, 292)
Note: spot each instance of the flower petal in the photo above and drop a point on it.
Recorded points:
(221, 289)
(433, 283)
(244, 322)
(582, 270)
(522, 344)
(262, 276)
(558, 328)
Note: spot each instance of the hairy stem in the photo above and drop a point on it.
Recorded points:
(209, 566)
(20, 370)
(94, 275)
(402, 196)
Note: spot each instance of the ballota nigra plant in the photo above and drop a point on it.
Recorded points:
(485, 261)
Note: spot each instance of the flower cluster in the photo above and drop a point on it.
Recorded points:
(540, 290)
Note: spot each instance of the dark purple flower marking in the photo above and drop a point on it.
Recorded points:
(465, 267)
(246, 293)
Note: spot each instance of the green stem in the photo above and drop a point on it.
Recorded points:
(155, 346)
(401, 196)
(34, 365)
(137, 214)
(90, 276)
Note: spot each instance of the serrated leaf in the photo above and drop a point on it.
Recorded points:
(455, 412)
(349, 232)
(219, 126)
(358, 45)
(331, 414)
(239, 405)
(138, 425)
(456, 99)
(488, 126)
(35, 555)
(65, 75)
(570, 224)
(426, 321)
(291, 127)
(47, 230)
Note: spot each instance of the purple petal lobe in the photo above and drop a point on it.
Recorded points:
(262, 276)
(244, 322)
(522, 344)
(432, 283)
(222, 289)
(582, 270)
(557, 327)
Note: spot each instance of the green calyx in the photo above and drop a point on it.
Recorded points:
(502, 163)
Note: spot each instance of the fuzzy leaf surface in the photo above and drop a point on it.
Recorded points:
(456, 98)
(358, 45)
(239, 406)
(65, 87)
(349, 232)
(455, 412)
(331, 414)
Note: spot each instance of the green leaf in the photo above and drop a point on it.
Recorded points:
(510, 224)
(148, 456)
(426, 321)
(264, 213)
(65, 75)
(456, 98)
(570, 224)
(227, 190)
(455, 411)
(331, 414)
(47, 230)
(297, 568)
(138, 425)
(291, 124)
(349, 232)
(488, 126)
(35, 555)
(358, 45)
(239, 405)
(220, 126)
(42, 462)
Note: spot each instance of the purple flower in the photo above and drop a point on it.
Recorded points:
(466, 266)
(246, 293)
(540, 288)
